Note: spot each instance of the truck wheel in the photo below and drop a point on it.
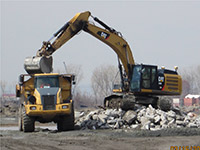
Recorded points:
(20, 122)
(66, 123)
(28, 123)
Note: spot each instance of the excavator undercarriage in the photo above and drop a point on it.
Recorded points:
(131, 102)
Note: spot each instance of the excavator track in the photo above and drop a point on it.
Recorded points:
(129, 102)
(116, 102)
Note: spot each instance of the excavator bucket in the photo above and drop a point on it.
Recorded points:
(35, 64)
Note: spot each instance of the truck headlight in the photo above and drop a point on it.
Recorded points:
(32, 108)
(64, 107)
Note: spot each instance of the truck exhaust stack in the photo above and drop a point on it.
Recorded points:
(35, 64)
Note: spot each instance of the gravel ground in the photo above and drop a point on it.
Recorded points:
(46, 137)
(99, 139)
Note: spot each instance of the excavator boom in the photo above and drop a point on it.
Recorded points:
(42, 62)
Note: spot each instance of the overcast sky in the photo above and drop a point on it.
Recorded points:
(164, 33)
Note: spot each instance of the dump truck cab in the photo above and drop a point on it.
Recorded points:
(45, 98)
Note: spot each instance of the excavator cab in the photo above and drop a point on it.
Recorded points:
(144, 77)
(147, 79)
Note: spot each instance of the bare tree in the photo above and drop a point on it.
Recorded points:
(191, 76)
(83, 99)
(3, 87)
(75, 70)
(102, 81)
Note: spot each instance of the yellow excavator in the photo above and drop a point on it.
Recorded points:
(140, 83)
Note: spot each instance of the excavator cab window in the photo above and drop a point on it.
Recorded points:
(149, 77)
(144, 77)
(136, 77)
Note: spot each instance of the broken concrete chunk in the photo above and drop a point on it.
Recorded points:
(181, 118)
(130, 116)
(103, 118)
(157, 119)
(95, 117)
(135, 126)
(171, 114)
(144, 120)
(192, 125)
(180, 123)
(146, 125)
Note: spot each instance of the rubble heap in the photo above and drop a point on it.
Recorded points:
(143, 117)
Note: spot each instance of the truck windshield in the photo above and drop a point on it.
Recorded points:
(46, 81)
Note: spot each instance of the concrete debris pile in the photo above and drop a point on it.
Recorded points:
(9, 110)
(147, 118)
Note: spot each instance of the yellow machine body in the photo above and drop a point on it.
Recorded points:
(46, 103)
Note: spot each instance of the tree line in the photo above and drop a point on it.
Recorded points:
(103, 78)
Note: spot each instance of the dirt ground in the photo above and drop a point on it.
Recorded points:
(46, 137)
(98, 139)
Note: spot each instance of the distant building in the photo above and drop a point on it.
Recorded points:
(176, 101)
(192, 100)
(8, 97)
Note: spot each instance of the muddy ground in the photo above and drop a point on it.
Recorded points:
(48, 138)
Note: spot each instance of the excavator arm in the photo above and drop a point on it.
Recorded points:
(70, 29)
(80, 22)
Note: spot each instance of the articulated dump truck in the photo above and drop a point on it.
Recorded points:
(45, 98)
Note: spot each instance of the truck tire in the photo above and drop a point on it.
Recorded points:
(28, 123)
(66, 123)
(20, 122)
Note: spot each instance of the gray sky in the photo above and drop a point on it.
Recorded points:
(164, 33)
